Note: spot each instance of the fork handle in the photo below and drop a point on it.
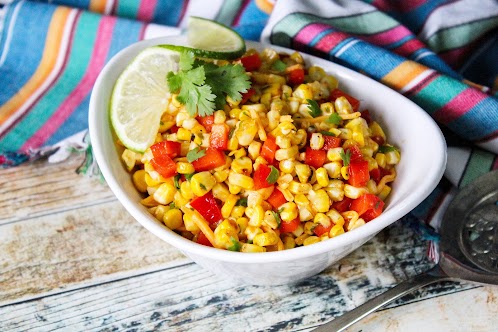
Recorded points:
(342, 322)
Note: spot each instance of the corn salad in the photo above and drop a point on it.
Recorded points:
(295, 162)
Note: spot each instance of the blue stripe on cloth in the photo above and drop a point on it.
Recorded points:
(168, 12)
(125, 33)
(479, 122)
(20, 65)
(322, 34)
(251, 22)
(415, 19)
(378, 63)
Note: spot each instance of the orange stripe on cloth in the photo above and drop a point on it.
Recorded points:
(47, 63)
(98, 6)
(403, 74)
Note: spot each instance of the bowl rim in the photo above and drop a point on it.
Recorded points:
(366, 231)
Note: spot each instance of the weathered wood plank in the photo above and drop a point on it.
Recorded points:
(189, 298)
(76, 248)
(41, 188)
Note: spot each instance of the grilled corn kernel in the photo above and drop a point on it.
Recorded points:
(234, 189)
(303, 172)
(233, 143)
(220, 117)
(376, 130)
(226, 210)
(130, 158)
(252, 231)
(179, 200)
(254, 149)
(317, 141)
(303, 92)
(333, 169)
(183, 134)
(381, 159)
(322, 177)
(221, 192)
(242, 165)
(238, 212)
(345, 172)
(254, 198)
(186, 190)
(173, 219)
(165, 193)
(283, 142)
(188, 221)
(357, 223)
(342, 106)
(301, 200)
(300, 239)
(226, 233)
(305, 213)
(386, 190)
(335, 217)
(319, 200)
(311, 240)
(308, 227)
(289, 242)
(159, 211)
(286, 166)
(323, 219)
(139, 180)
(392, 157)
(289, 153)
(240, 180)
(270, 220)
(256, 215)
(265, 239)
(336, 230)
(334, 154)
(246, 132)
(242, 223)
(299, 188)
(248, 247)
(201, 183)
(222, 175)
(184, 168)
(289, 211)
(354, 192)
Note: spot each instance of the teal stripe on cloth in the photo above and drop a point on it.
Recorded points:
(480, 162)
(438, 93)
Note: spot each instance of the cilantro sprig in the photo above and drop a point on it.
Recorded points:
(334, 118)
(273, 176)
(195, 154)
(346, 157)
(203, 87)
(314, 109)
(386, 148)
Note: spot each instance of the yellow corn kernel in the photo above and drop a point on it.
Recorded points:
(254, 149)
(287, 166)
(322, 177)
(201, 183)
(159, 212)
(354, 192)
(319, 200)
(173, 219)
(345, 172)
(303, 92)
(234, 113)
(305, 213)
(299, 138)
(242, 165)
(185, 168)
(183, 134)
(335, 217)
(139, 180)
(240, 180)
(358, 223)
(179, 200)
(308, 227)
(303, 172)
(289, 242)
(165, 193)
(380, 158)
(248, 247)
(376, 130)
(246, 132)
(289, 153)
(392, 157)
(150, 181)
(265, 239)
(188, 221)
(317, 141)
(256, 215)
(242, 223)
(220, 191)
(234, 189)
(300, 239)
(254, 198)
(299, 188)
(289, 211)
(336, 230)
(130, 158)
(252, 231)
(221, 176)
(350, 216)
(233, 143)
(334, 154)
(220, 117)
(287, 194)
(342, 106)
(225, 234)
(149, 201)
(316, 73)
(372, 187)
(333, 169)
(226, 210)
(323, 219)
(311, 240)
(386, 190)
(238, 212)
(186, 190)
(283, 142)
(301, 200)
(270, 220)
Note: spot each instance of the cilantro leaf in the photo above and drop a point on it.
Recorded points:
(386, 148)
(172, 205)
(273, 176)
(235, 245)
(189, 176)
(176, 180)
(314, 108)
(195, 154)
(186, 61)
(327, 133)
(346, 157)
(228, 80)
(334, 118)
(279, 65)
(277, 217)
(241, 202)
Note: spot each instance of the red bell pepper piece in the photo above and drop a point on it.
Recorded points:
(260, 176)
(164, 165)
(173, 129)
(269, 148)
(202, 239)
(296, 76)
(375, 174)
(342, 206)
(212, 159)
(206, 121)
(208, 207)
(368, 206)
(336, 93)
(319, 229)
(289, 226)
(219, 136)
(315, 158)
(358, 173)
(168, 148)
(365, 114)
(355, 153)
(331, 142)
(276, 199)
(247, 95)
(251, 62)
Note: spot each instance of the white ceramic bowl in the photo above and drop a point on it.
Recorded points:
(423, 159)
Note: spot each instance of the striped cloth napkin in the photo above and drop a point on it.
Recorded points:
(441, 54)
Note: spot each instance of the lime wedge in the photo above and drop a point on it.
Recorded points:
(210, 39)
(140, 97)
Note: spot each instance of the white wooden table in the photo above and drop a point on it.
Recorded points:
(72, 259)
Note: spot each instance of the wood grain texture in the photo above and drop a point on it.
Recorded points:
(77, 248)
(41, 188)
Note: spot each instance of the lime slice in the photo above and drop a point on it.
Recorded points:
(140, 97)
(210, 39)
